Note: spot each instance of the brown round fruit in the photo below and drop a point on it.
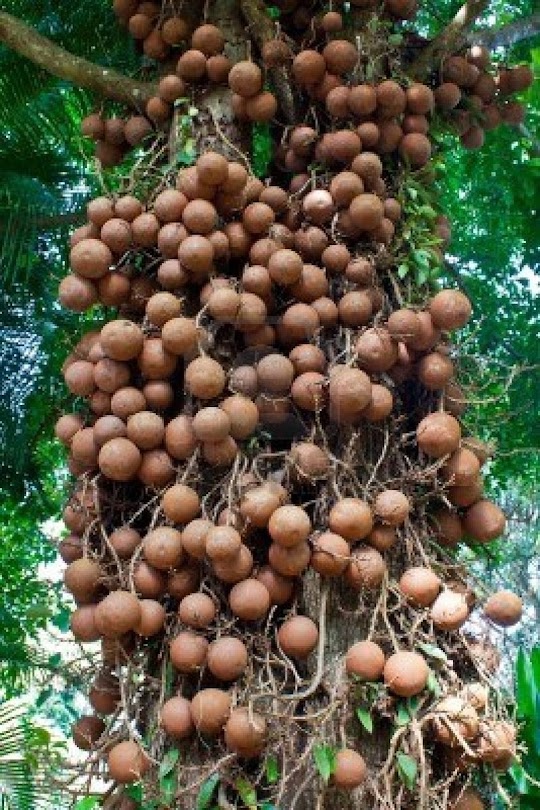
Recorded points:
(438, 434)
(249, 600)
(449, 611)
(420, 585)
(210, 710)
(176, 718)
(188, 652)
(330, 555)
(450, 309)
(350, 771)
(127, 762)
(245, 733)
(163, 548)
(118, 613)
(289, 526)
(227, 658)
(351, 518)
(504, 608)
(365, 660)
(406, 673)
(484, 521)
(298, 637)
(197, 610)
(392, 507)
(205, 378)
(366, 570)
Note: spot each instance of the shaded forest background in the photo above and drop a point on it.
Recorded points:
(47, 173)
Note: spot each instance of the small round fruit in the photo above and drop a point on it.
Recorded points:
(330, 555)
(365, 659)
(210, 710)
(450, 309)
(351, 518)
(176, 718)
(449, 611)
(298, 637)
(197, 610)
(117, 614)
(438, 434)
(188, 652)
(249, 600)
(227, 658)
(504, 608)
(484, 521)
(127, 762)
(245, 733)
(350, 771)
(205, 378)
(289, 525)
(420, 585)
(406, 673)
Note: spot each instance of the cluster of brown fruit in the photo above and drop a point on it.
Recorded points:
(244, 305)
(297, 17)
(159, 30)
(115, 136)
(476, 99)
(204, 61)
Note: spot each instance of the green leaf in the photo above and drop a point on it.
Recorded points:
(525, 685)
(168, 775)
(55, 660)
(365, 719)
(407, 769)
(403, 270)
(422, 276)
(38, 612)
(206, 792)
(403, 716)
(395, 39)
(272, 770)
(433, 651)
(88, 803)
(433, 685)
(168, 763)
(325, 760)
(61, 619)
(247, 793)
(134, 792)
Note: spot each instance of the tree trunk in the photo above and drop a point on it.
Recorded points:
(311, 706)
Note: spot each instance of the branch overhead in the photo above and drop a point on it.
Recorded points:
(450, 37)
(27, 42)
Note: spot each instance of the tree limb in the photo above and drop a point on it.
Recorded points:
(104, 81)
(507, 35)
(263, 30)
(448, 39)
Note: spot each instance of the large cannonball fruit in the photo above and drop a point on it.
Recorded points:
(365, 660)
(406, 673)
(350, 771)
(127, 762)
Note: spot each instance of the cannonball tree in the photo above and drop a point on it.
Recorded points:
(270, 471)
